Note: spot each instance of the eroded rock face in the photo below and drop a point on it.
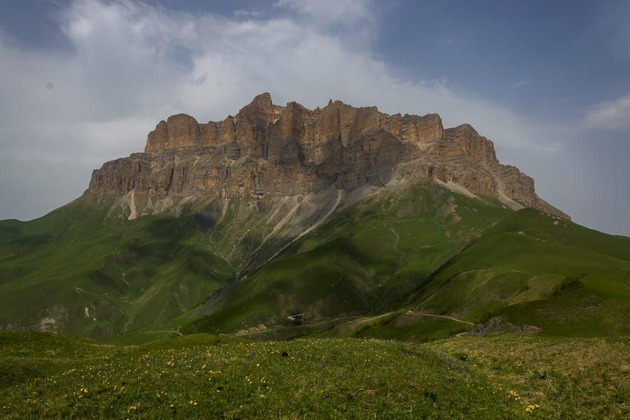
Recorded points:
(178, 131)
(272, 150)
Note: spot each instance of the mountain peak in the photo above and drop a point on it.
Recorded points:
(260, 111)
(177, 131)
(263, 98)
(273, 150)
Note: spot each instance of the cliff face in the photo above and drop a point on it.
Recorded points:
(268, 150)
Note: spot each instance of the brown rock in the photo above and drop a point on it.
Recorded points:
(479, 148)
(268, 149)
(179, 131)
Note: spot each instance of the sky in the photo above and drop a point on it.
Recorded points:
(83, 82)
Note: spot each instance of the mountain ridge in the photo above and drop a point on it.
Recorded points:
(268, 149)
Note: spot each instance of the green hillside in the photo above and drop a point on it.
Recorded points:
(538, 270)
(364, 260)
(441, 264)
(75, 270)
(411, 262)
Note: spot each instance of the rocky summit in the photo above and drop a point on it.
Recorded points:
(268, 150)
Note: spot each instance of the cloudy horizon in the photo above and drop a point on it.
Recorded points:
(85, 81)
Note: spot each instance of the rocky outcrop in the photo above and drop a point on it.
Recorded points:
(177, 132)
(272, 150)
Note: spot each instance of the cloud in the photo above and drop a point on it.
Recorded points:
(132, 64)
(609, 115)
(243, 13)
(330, 10)
(350, 20)
(519, 84)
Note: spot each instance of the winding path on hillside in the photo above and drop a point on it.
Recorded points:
(361, 320)
(166, 332)
(345, 318)
(440, 316)
(244, 333)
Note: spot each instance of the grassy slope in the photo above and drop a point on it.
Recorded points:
(538, 270)
(85, 269)
(127, 274)
(567, 377)
(420, 247)
(195, 376)
(365, 260)
(209, 376)
(530, 269)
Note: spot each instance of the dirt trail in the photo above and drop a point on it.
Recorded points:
(362, 320)
(441, 316)
(163, 332)
(240, 334)
(358, 321)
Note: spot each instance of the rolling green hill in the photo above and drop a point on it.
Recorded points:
(424, 251)
(535, 269)
(364, 260)
(73, 270)
(415, 261)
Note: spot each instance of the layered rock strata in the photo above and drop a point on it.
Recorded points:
(272, 150)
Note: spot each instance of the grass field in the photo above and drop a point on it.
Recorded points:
(43, 375)
(567, 377)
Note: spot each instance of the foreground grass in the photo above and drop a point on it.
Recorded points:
(207, 376)
(567, 377)
(203, 376)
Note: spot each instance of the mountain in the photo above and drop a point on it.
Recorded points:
(273, 151)
(374, 224)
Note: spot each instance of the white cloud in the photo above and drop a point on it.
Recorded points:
(609, 115)
(133, 64)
